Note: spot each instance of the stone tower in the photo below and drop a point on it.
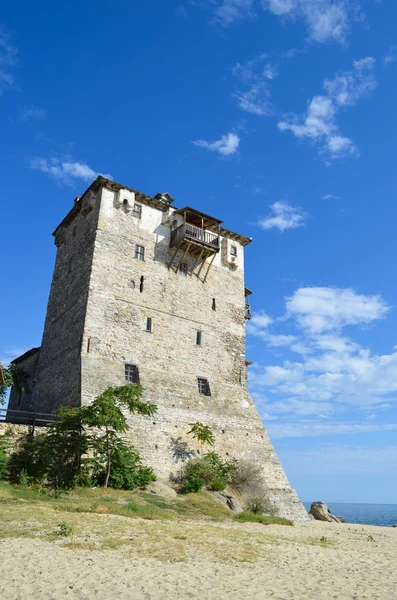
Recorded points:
(145, 292)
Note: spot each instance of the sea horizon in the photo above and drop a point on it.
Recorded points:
(363, 513)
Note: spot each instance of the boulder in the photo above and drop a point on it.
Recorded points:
(161, 489)
(321, 512)
(228, 500)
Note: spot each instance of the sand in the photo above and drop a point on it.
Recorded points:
(282, 563)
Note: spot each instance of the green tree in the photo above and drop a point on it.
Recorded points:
(106, 414)
(202, 433)
(12, 376)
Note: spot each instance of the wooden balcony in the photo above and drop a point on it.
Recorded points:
(197, 235)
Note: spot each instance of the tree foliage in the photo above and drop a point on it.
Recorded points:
(202, 433)
(84, 446)
(13, 376)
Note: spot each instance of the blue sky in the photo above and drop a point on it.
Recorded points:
(279, 117)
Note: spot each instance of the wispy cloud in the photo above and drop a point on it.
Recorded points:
(319, 123)
(32, 113)
(390, 56)
(330, 197)
(8, 353)
(227, 145)
(8, 59)
(325, 20)
(255, 74)
(229, 11)
(283, 216)
(334, 374)
(65, 171)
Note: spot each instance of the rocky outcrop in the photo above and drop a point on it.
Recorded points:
(321, 512)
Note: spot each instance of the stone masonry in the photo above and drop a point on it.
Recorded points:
(101, 298)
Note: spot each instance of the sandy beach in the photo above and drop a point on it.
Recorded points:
(232, 561)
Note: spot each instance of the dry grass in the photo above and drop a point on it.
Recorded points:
(141, 524)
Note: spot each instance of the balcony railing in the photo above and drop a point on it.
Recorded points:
(195, 234)
(247, 311)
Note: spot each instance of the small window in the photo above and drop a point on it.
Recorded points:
(139, 252)
(203, 386)
(233, 250)
(74, 231)
(149, 324)
(141, 284)
(70, 266)
(131, 373)
(137, 211)
(183, 269)
(213, 304)
(132, 284)
(198, 338)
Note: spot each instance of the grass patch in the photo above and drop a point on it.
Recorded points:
(322, 542)
(249, 517)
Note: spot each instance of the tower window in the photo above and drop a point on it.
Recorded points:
(137, 211)
(131, 373)
(70, 266)
(203, 386)
(139, 252)
(74, 231)
(149, 324)
(183, 269)
(198, 338)
(141, 284)
(213, 304)
(233, 250)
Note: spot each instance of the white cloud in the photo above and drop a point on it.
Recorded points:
(319, 123)
(229, 11)
(283, 216)
(9, 353)
(326, 20)
(226, 145)
(330, 197)
(349, 86)
(8, 59)
(319, 309)
(32, 113)
(257, 98)
(335, 374)
(390, 56)
(65, 171)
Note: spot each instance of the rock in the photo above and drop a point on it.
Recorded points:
(228, 500)
(161, 489)
(321, 512)
(394, 525)
(340, 518)
(335, 519)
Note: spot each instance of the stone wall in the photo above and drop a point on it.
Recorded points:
(96, 323)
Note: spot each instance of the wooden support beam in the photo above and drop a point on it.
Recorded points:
(183, 257)
(175, 253)
(209, 266)
(197, 261)
(202, 264)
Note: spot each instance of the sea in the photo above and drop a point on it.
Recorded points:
(383, 515)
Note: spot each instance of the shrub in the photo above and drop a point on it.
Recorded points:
(247, 477)
(64, 529)
(5, 444)
(192, 484)
(250, 517)
(259, 504)
(127, 472)
(218, 485)
(211, 470)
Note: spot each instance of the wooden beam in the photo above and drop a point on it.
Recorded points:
(183, 256)
(175, 253)
(202, 264)
(209, 266)
(197, 261)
